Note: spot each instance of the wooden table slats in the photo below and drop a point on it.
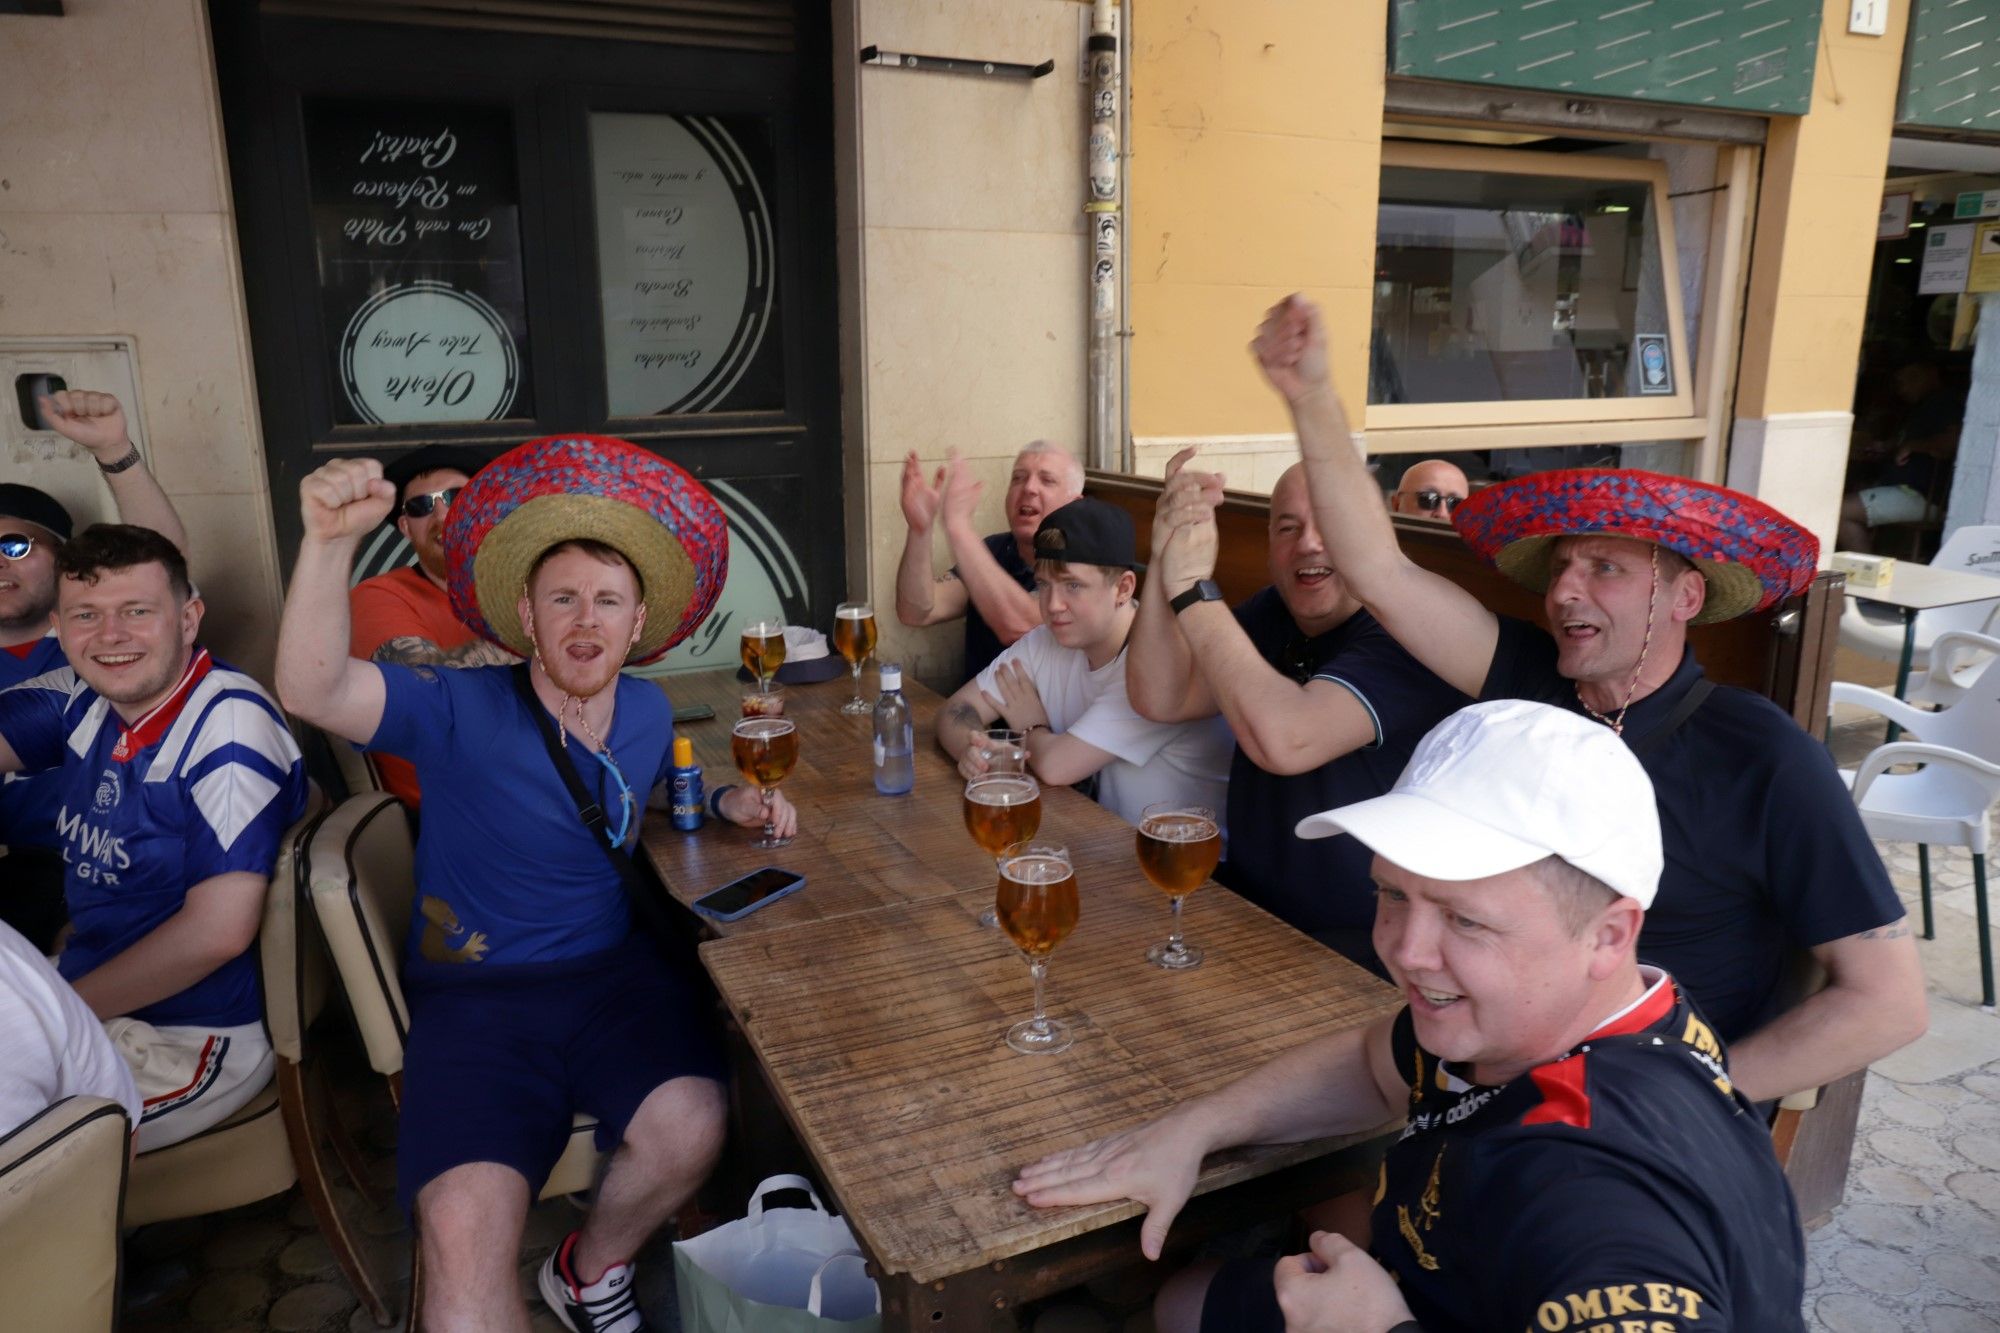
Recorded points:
(876, 1005)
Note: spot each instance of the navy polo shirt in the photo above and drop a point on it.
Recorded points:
(1764, 850)
(982, 645)
(1322, 886)
(1624, 1185)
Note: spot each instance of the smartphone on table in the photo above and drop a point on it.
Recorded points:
(739, 898)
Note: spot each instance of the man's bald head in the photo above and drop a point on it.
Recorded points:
(1435, 480)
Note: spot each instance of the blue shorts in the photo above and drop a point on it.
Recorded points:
(1243, 1298)
(500, 1059)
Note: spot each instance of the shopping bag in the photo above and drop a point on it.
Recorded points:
(789, 1270)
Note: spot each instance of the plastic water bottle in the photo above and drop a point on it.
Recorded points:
(895, 763)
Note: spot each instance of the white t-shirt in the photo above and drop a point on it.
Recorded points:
(54, 1046)
(1154, 761)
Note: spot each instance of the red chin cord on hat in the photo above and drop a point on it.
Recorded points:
(1617, 721)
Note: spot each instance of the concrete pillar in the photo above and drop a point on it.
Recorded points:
(1816, 208)
(1975, 480)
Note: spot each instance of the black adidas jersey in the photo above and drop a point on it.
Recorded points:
(1624, 1188)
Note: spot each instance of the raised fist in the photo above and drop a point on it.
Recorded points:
(345, 498)
(1290, 347)
(93, 420)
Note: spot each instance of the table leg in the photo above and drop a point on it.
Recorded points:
(1903, 667)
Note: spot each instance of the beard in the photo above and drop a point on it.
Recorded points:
(580, 679)
(24, 611)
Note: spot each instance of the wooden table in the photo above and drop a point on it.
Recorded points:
(875, 1006)
(857, 848)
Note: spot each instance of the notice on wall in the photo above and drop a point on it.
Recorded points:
(1656, 366)
(1977, 204)
(687, 265)
(415, 212)
(1947, 257)
(1983, 275)
(1892, 223)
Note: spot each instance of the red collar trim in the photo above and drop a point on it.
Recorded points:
(149, 729)
(1648, 1009)
(22, 650)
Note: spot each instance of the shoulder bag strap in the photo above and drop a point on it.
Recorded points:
(646, 907)
(1685, 709)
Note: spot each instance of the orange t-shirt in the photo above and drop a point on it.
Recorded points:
(389, 606)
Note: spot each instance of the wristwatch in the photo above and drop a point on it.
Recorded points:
(130, 459)
(1204, 590)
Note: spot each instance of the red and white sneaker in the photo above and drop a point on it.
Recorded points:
(608, 1305)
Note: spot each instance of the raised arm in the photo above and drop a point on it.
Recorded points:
(1341, 1084)
(1008, 609)
(317, 680)
(97, 422)
(1439, 623)
(1160, 675)
(923, 598)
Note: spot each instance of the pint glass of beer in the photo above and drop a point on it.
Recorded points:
(1006, 750)
(765, 748)
(1037, 904)
(1179, 846)
(763, 649)
(854, 639)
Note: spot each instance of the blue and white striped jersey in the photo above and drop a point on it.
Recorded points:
(203, 785)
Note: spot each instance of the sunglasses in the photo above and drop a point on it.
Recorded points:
(420, 506)
(16, 545)
(1436, 499)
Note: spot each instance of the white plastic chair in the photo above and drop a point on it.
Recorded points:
(1944, 802)
(1877, 631)
(1958, 656)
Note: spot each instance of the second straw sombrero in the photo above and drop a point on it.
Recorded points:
(570, 487)
(1751, 556)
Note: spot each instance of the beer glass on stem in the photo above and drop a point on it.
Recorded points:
(854, 639)
(1037, 904)
(765, 749)
(1001, 809)
(1179, 846)
(763, 649)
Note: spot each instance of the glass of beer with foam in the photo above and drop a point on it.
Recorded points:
(854, 639)
(1179, 846)
(765, 748)
(1037, 905)
(1001, 809)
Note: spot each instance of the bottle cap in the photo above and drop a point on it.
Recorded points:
(683, 752)
(892, 676)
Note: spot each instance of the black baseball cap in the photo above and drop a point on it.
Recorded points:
(36, 507)
(1088, 532)
(432, 458)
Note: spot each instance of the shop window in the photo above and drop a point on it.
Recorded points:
(686, 260)
(417, 240)
(1523, 287)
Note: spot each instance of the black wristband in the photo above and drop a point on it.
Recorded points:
(715, 802)
(1407, 1326)
(130, 459)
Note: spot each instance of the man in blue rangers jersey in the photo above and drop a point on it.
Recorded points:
(1575, 1157)
(530, 996)
(176, 781)
(33, 526)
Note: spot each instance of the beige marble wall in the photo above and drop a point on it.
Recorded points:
(115, 218)
(962, 254)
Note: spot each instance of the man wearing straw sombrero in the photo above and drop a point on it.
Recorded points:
(1765, 856)
(531, 997)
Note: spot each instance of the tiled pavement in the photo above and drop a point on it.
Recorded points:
(1915, 1247)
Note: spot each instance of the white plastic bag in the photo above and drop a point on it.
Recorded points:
(789, 1270)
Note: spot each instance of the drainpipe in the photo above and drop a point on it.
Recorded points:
(1102, 209)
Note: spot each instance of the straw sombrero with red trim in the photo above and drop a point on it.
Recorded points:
(1751, 555)
(570, 487)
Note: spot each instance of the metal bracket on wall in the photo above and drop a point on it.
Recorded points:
(998, 69)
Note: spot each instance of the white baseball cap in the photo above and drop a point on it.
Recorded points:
(1501, 785)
